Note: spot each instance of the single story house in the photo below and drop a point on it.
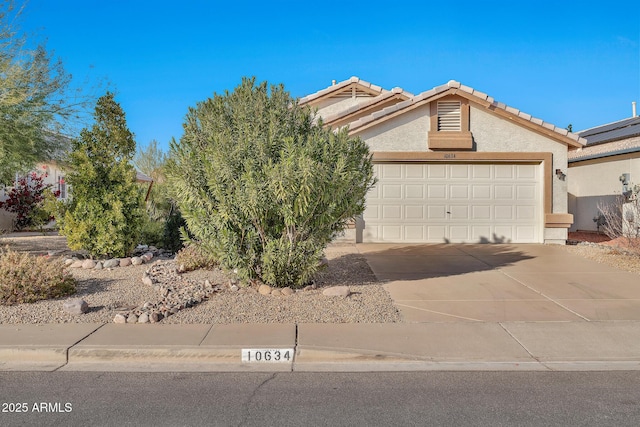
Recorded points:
(606, 167)
(453, 165)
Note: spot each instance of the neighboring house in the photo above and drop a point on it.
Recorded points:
(54, 175)
(453, 165)
(599, 172)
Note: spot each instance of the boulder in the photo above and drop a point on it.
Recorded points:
(88, 263)
(76, 306)
(337, 291)
(110, 263)
(265, 289)
(287, 291)
(125, 262)
(76, 264)
(136, 260)
(119, 318)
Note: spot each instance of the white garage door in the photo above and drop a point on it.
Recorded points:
(456, 203)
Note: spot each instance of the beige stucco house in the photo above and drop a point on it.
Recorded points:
(607, 166)
(453, 165)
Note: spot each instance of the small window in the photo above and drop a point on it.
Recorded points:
(62, 188)
(449, 116)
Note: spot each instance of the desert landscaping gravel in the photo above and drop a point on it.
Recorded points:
(120, 290)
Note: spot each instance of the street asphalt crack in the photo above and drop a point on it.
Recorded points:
(250, 399)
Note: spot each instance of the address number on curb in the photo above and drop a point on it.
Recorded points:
(266, 355)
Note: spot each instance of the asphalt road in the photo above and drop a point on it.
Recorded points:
(321, 399)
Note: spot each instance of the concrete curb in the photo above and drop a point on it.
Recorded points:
(517, 346)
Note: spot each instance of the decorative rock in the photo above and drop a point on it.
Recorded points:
(147, 280)
(234, 288)
(111, 263)
(132, 318)
(265, 289)
(147, 257)
(155, 317)
(143, 318)
(136, 260)
(76, 264)
(76, 306)
(125, 262)
(337, 291)
(287, 291)
(324, 262)
(119, 319)
(69, 261)
(88, 263)
(98, 266)
(276, 292)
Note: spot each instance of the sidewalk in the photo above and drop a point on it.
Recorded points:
(531, 346)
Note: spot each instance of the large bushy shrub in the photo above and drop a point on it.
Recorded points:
(104, 215)
(263, 185)
(27, 278)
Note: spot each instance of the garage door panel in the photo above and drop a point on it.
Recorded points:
(414, 212)
(391, 212)
(436, 212)
(455, 202)
(391, 191)
(481, 192)
(459, 192)
(436, 191)
(415, 172)
(503, 192)
(436, 233)
(480, 212)
(414, 191)
(459, 171)
(414, 233)
(459, 212)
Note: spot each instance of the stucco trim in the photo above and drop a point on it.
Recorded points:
(544, 158)
(558, 220)
(611, 157)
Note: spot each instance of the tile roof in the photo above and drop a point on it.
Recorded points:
(386, 95)
(469, 93)
(608, 140)
(341, 85)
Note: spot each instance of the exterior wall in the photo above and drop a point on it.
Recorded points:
(596, 182)
(407, 132)
(331, 106)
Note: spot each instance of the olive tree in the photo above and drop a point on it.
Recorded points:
(263, 185)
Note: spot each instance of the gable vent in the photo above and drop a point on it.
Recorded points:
(449, 116)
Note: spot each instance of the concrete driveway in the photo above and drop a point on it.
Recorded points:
(501, 283)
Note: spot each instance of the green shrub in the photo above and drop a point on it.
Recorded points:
(172, 238)
(26, 278)
(152, 232)
(105, 214)
(193, 257)
(264, 185)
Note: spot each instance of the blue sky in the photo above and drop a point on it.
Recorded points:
(562, 61)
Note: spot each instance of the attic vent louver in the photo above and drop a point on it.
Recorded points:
(449, 116)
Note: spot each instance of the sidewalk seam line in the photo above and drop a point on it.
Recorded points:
(524, 347)
(76, 343)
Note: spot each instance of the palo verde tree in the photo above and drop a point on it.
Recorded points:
(105, 211)
(263, 186)
(36, 99)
